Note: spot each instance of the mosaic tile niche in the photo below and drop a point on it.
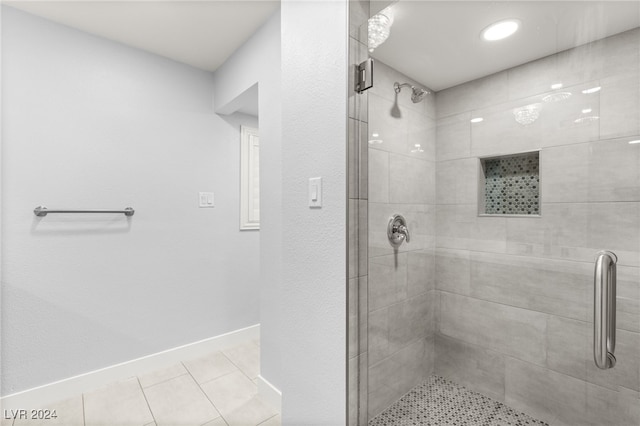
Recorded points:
(511, 185)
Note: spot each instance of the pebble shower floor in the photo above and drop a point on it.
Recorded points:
(439, 402)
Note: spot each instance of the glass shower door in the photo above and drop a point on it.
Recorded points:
(513, 173)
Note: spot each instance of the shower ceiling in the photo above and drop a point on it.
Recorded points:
(438, 43)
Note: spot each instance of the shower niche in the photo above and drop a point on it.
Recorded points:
(509, 185)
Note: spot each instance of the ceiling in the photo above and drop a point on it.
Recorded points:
(437, 43)
(202, 34)
(434, 42)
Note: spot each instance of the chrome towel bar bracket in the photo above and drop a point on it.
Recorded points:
(604, 310)
(42, 211)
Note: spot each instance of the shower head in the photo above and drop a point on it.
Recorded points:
(417, 94)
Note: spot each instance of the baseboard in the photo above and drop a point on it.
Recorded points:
(270, 393)
(40, 396)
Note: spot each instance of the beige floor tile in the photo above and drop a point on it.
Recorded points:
(252, 412)
(179, 401)
(120, 403)
(3, 420)
(273, 421)
(209, 367)
(68, 413)
(246, 357)
(159, 376)
(230, 392)
(217, 422)
(6, 422)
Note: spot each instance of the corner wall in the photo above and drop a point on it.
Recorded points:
(516, 293)
(89, 123)
(401, 296)
(258, 62)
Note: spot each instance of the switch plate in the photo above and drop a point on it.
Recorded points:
(205, 199)
(315, 192)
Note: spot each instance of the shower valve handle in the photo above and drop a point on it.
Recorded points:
(397, 230)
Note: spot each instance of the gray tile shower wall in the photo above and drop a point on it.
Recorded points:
(515, 294)
(358, 151)
(401, 286)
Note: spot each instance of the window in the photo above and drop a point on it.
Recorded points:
(249, 178)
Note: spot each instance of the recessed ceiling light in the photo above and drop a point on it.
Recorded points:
(500, 30)
(592, 90)
(375, 135)
(556, 86)
(586, 110)
(634, 142)
(477, 120)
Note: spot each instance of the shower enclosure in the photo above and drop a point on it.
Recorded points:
(515, 165)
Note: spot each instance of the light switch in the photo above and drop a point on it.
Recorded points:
(205, 199)
(315, 192)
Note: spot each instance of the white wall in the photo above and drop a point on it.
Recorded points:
(258, 62)
(314, 276)
(88, 123)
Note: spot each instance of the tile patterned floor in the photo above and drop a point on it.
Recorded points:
(441, 402)
(216, 390)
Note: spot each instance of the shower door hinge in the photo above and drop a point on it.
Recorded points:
(364, 76)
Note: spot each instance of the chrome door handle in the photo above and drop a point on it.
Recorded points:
(604, 310)
(397, 230)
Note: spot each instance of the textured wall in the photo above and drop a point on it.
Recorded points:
(314, 271)
(515, 294)
(89, 123)
(401, 296)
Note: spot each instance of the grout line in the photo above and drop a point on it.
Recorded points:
(206, 396)
(236, 365)
(84, 417)
(524, 308)
(426, 159)
(146, 400)
(266, 420)
(163, 381)
(209, 421)
(208, 399)
(216, 378)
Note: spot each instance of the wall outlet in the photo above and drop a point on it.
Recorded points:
(205, 199)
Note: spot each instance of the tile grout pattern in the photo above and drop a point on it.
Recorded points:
(218, 389)
(512, 184)
(438, 401)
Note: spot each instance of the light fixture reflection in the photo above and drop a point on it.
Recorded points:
(379, 28)
(477, 120)
(527, 114)
(634, 142)
(375, 139)
(556, 86)
(417, 148)
(592, 90)
(556, 97)
(586, 110)
(587, 119)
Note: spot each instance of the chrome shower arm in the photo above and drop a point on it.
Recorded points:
(397, 86)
